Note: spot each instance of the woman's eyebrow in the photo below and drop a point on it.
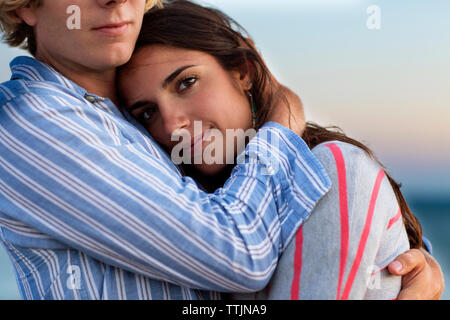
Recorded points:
(137, 105)
(170, 78)
(166, 82)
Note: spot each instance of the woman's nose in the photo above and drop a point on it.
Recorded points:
(174, 119)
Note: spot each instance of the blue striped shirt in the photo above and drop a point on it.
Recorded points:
(92, 208)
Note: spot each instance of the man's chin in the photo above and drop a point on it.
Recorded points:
(114, 58)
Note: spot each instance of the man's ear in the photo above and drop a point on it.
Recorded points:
(28, 15)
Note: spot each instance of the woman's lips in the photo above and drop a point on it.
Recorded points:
(117, 29)
(193, 144)
(198, 142)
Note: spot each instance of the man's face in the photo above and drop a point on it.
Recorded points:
(103, 39)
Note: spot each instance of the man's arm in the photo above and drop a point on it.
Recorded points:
(102, 193)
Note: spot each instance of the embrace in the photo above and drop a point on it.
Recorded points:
(94, 205)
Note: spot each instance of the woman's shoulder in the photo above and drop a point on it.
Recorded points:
(362, 178)
(335, 146)
(345, 155)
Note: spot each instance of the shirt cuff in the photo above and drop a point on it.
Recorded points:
(427, 245)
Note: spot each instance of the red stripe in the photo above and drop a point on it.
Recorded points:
(394, 219)
(343, 207)
(295, 287)
(364, 236)
(378, 271)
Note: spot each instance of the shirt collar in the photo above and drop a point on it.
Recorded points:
(30, 69)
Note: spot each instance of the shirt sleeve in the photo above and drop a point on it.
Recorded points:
(427, 245)
(101, 192)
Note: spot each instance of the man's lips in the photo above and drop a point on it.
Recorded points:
(113, 29)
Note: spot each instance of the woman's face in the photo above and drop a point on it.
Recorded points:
(168, 89)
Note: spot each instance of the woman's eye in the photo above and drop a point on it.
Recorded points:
(186, 83)
(146, 115)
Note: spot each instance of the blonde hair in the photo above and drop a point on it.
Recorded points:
(17, 33)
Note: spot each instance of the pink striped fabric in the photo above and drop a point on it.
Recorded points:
(343, 292)
(364, 236)
(394, 219)
(343, 205)
(295, 287)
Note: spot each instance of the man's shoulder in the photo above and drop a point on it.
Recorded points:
(17, 89)
(12, 89)
(32, 77)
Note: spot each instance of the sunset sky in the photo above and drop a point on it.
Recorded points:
(389, 87)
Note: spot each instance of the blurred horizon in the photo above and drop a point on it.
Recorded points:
(388, 88)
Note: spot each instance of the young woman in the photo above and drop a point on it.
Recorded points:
(193, 66)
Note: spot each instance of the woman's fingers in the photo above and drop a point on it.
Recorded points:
(422, 276)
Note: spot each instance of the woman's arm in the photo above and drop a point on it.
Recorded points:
(329, 261)
(342, 251)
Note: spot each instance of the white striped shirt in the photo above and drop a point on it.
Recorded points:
(92, 208)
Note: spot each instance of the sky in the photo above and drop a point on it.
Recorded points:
(387, 86)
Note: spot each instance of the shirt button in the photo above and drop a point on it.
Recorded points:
(90, 98)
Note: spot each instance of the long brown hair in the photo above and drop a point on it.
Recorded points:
(183, 24)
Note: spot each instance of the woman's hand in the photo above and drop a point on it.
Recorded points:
(422, 275)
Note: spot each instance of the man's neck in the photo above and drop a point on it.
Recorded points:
(101, 83)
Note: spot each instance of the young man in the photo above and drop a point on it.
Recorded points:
(91, 208)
